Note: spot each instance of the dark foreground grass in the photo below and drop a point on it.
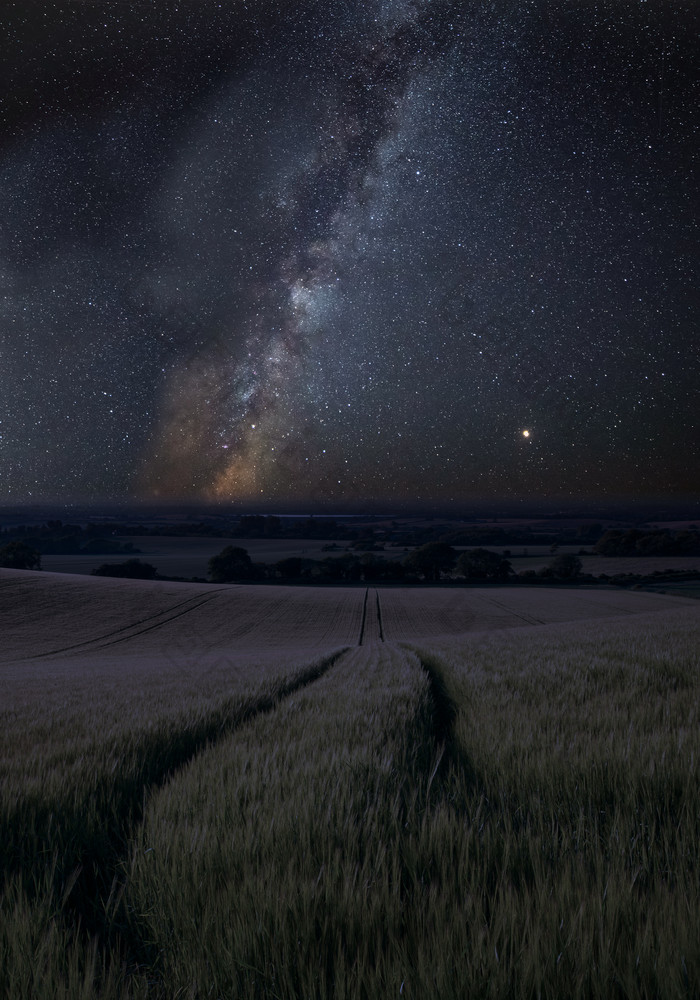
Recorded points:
(545, 847)
(572, 865)
(285, 843)
(67, 811)
(505, 816)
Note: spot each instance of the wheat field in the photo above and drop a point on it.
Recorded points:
(347, 792)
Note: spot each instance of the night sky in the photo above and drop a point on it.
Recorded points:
(349, 251)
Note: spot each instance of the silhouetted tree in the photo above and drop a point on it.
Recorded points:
(372, 566)
(649, 543)
(612, 543)
(132, 569)
(232, 563)
(482, 564)
(566, 566)
(345, 567)
(431, 559)
(289, 568)
(19, 555)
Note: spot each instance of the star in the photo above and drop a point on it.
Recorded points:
(297, 234)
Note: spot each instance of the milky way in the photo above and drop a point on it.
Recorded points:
(355, 254)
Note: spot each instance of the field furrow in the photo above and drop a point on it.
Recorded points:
(573, 806)
(202, 795)
(298, 809)
(372, 622)
(41, 612)
(130, 631)
(94, 774)
(183, 622)
(62, 837)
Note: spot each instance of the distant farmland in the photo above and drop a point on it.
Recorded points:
(346, 792)
(188, 556)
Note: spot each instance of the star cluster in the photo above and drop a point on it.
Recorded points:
(375, 251)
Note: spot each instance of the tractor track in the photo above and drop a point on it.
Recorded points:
(99, 856)
(528, 619)
(364, 618)
(371, 627)
(130, 631)
(379, 617)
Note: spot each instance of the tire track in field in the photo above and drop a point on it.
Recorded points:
(93, 857)
(523, 615)
(371, 628)
(364, 618)
(117, 636)
(449, 754)
(379, 617)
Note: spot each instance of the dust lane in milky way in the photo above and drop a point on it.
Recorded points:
(270, 404)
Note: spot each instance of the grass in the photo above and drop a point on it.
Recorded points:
(74, 782)
(505, 814)
(286, 843)
(574, 755)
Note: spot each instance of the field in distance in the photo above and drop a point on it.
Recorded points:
(264, 792)
(45, 616)
(189, 556)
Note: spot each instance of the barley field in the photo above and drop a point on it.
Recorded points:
(258, 792)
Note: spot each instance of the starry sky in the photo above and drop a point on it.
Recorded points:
(351, 251)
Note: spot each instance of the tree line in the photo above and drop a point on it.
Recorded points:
(431, 563)
(635, 542)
